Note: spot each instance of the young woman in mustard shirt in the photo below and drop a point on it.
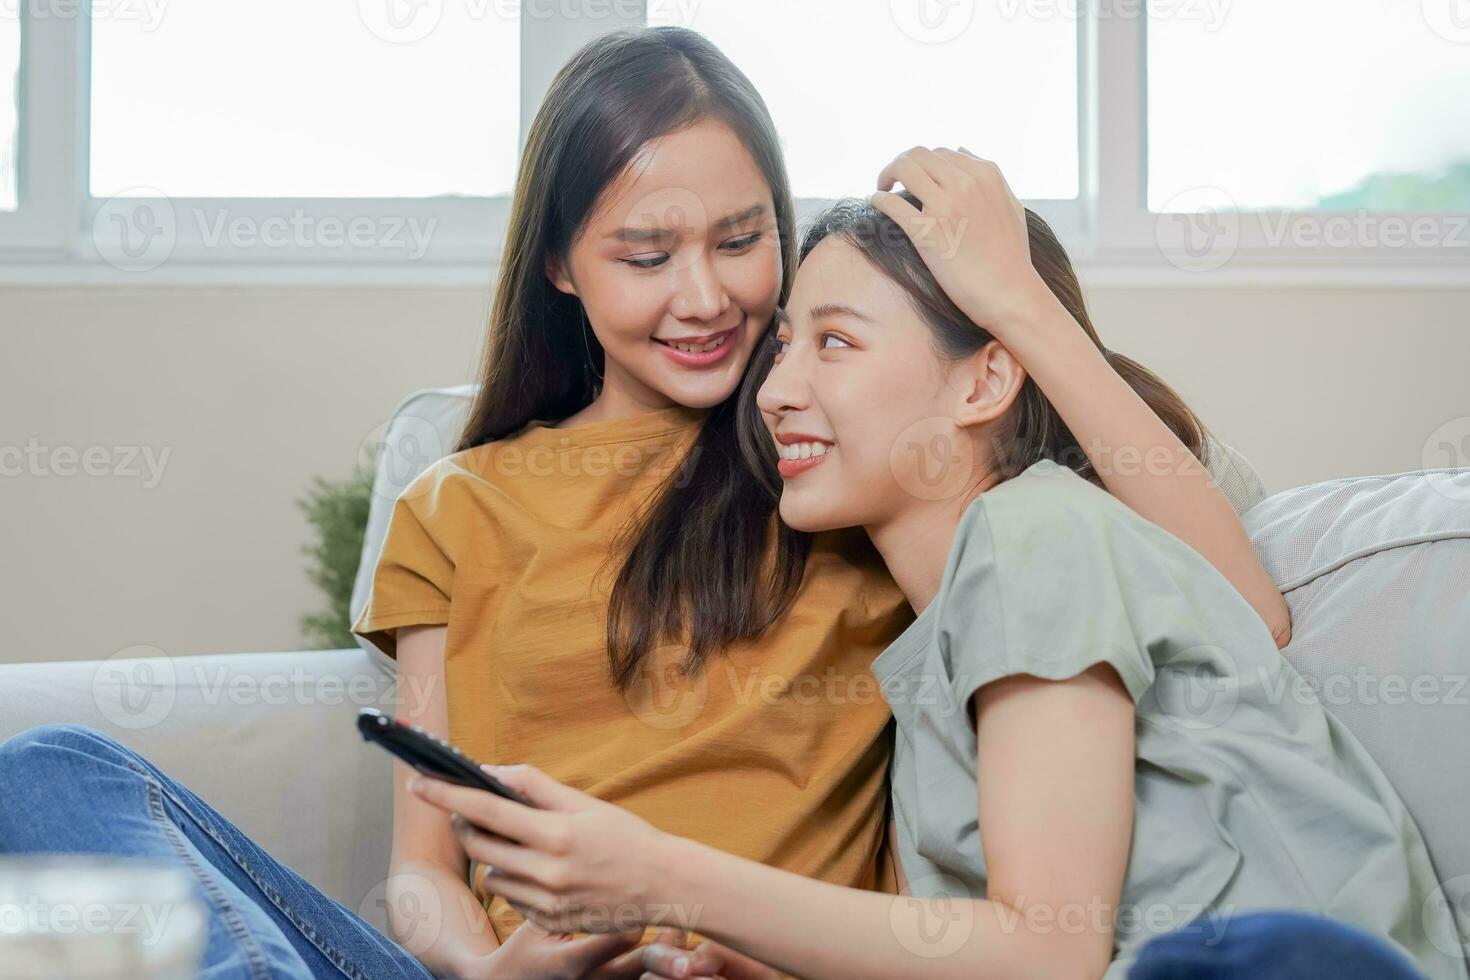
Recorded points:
(593, 581)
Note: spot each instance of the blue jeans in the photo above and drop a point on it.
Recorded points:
(67, 788)
(1284, 945)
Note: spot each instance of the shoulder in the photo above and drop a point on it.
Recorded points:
(1048, 542)
(465, 473)
(1048, 514)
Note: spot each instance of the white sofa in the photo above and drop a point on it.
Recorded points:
(1376, 570)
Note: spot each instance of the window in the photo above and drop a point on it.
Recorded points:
(292, 99)
(1310, 105)
(374, 140)
(851, 85)
(9, 94)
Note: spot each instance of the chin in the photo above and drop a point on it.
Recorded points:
(800, 515)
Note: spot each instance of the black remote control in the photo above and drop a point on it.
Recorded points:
(431, 756)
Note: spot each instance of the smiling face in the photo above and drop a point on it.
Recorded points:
(679, 269)
(859, 401)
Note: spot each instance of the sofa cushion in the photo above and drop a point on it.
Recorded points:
(1376, 571)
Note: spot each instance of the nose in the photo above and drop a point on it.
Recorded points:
(700, 295)
(785, 389)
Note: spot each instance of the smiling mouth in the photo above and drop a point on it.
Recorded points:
(796, 458)
(711, 350)
(703, 348)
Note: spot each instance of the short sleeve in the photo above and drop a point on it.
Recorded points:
(413, 578)
(1049, 576)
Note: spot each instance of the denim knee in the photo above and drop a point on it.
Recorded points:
(32, 763)
(28, 748)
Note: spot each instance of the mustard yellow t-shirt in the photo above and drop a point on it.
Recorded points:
(777, 752)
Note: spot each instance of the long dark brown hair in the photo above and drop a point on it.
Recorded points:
(707, 564)
(1032, 430)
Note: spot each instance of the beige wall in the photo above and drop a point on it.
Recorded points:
(253, 391)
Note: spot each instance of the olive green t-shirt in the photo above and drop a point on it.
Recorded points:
(1248, 794)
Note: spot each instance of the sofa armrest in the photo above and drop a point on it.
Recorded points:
(267, 739)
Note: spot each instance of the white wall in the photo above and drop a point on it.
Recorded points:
(252, 391)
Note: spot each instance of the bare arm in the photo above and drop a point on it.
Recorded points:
(427, 861)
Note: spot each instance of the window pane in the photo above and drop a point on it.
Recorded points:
(1334, 104)
(9, 92)
(284, 98)
(852, 85)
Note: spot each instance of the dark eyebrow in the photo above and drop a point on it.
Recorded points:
(640, 234)
(838, 309)
(739, 217)
(655, 234)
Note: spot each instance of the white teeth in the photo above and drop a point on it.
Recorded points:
(804, 450)
(699, 348)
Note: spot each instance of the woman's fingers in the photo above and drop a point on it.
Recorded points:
(496, 851)
(505, 817)
(905, 215)
(538, 787)
(666, 961)
(604, 956)
(914, 173)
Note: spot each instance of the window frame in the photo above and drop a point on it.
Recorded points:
(59, 232)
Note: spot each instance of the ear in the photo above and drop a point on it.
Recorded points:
(560, 276)
(990, 379)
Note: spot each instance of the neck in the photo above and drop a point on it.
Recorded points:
(915, 541)
(621, 397)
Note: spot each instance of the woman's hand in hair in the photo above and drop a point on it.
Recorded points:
(970, 231)
(572, 864)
